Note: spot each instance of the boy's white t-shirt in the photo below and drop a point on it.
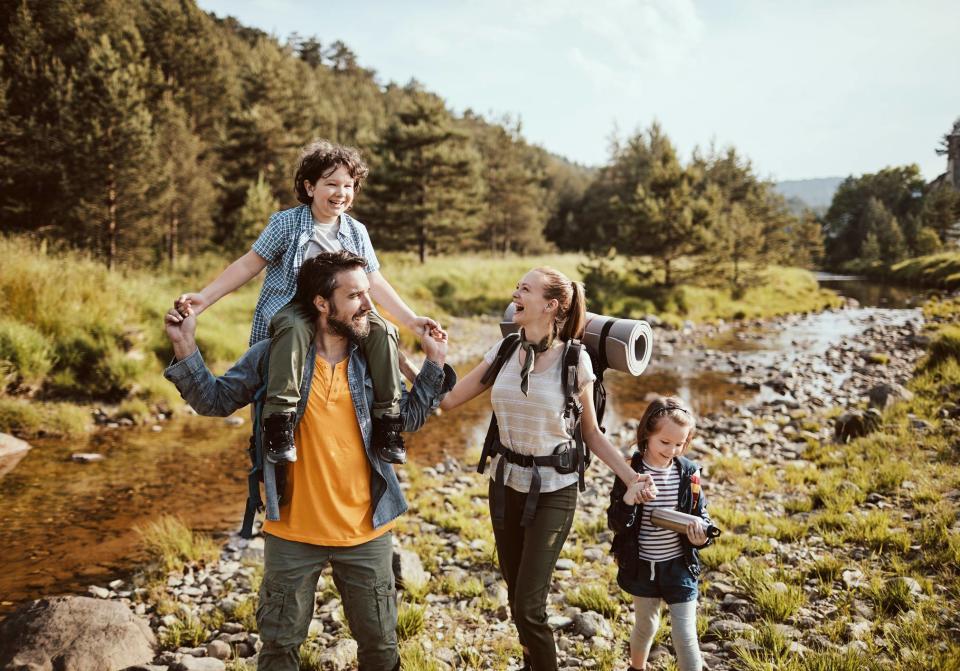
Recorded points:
(323, 239)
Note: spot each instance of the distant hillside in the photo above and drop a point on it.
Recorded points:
(815, 194)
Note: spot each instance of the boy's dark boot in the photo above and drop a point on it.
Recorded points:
(387, 440)
(278, 438)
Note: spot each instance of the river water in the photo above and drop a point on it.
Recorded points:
(66, 525)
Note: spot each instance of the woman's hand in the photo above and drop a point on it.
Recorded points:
(641, 491)
(696, 533)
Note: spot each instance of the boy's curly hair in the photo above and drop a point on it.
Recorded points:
(319, 159)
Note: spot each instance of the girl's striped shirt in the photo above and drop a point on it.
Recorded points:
(656, 544)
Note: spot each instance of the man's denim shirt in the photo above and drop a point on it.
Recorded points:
(222, 396)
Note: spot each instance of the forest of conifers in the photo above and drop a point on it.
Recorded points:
(142, 132)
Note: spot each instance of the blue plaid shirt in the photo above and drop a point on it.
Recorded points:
(283, 244)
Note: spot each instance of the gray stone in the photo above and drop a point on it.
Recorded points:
(886, 394)
(98, 592)
(86, 457)
(565, 564)
(559, 622)
(340, 656)
(408, 568)
(218, 650)
(75, 633)
(855, 424)
(727, 629)
(590, 624)
(910, 583)
(852, 578)
(188, 663)
(858, 629)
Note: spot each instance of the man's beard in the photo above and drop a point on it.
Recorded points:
(348, 329)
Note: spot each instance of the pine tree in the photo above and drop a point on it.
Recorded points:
(258, 205)
(664, 217)
(879, 222)
(116, 180)
(428, 188)
(190, 201)
(515, 199)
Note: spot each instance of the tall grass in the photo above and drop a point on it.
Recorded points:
(171, 544)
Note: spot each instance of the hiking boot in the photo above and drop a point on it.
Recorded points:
(278, 438)
(387, 440)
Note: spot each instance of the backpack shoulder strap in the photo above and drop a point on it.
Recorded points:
(255, 450)
(571, 369)
(573, 408)
(507, 347)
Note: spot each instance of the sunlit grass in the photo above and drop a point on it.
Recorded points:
(171, 544)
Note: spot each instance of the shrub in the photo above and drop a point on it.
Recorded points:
(945, 346)
(27, 353)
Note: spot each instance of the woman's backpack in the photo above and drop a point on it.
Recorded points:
(573, 409)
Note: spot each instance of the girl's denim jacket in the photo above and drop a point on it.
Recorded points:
(624, 519)
(221, 396)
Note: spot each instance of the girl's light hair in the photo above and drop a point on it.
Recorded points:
(660, 409)
(572, 312)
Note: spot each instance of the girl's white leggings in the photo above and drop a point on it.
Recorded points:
(683, 631)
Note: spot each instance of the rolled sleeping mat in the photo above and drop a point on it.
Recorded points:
(622, 344)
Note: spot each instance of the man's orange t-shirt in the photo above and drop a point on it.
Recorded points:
(329, 482)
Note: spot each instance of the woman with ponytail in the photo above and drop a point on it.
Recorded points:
(532, 502)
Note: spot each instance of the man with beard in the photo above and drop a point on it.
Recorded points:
(339, 502)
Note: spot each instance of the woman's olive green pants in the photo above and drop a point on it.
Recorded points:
(527, 557)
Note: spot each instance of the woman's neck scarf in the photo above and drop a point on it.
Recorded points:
(532, 349)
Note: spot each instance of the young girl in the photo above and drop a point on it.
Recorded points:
(531, 502)
(658, 564)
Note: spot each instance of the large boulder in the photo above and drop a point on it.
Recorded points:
(74, 633)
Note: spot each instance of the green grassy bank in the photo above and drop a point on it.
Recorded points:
(73, 335)
(936, 271)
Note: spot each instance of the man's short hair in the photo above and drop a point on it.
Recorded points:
(318, 276)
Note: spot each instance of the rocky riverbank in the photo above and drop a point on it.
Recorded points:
(803, 570)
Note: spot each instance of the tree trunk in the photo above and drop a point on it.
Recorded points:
(174, 232)
(666, 268)
(111, 216)
(422, 242)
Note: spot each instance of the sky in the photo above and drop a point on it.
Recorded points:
(804, 89)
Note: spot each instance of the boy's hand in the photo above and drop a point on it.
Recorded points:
(417, 324)
(434, 344)
(696, 534)
(185, 302)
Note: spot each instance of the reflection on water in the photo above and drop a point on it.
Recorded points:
(67, 525)
(870, 293)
